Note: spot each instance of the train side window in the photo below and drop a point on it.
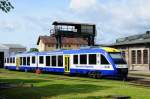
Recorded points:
(53, 60)
(7, 60)
(28, 61)
(33, 59)
(83, 59)
(75, 59)
(60, 61)
(21, 61)
(24, 60)
(92, 59)
(41, 59)
(104, 60)
(47, 60)
(10, 59)
(13, 59)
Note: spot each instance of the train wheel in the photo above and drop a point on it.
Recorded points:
(90, 74)
(96, 75)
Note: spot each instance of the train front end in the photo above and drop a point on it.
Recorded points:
(119, 64)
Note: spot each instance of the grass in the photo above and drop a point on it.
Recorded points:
(47, 86)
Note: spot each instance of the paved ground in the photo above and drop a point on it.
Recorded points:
(140, 74)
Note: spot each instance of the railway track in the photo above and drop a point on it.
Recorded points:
(139, 81)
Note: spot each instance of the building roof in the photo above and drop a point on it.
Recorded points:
(70, 23)
(3, 47)
(65, 40)
(14, 46)
(134, 39)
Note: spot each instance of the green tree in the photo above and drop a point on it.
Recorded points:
(34, 50)
(5, 5)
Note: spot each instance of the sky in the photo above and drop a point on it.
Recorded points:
(113, 18)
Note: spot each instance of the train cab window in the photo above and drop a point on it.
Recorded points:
(60, 61)
(92, 59)
(83, 59)
(33, 59)
(24, 60)
(104, 60)
(53, 60)
(21, 61)
(47, 60)
(28, 60)
(13, 59)
(41, 59)
(75, 59)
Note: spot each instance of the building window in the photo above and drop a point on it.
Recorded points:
(75, 59)
(139, 56)
(41, 59)
(50, 45)
(53, 60)
(124, 54)
(104, 60)
(65, 45)
(92, 59)
(60, 61)
(133, 56)
(47, 60)
(83, 59)
(28, 61)
(33, 59)
(145, 56)
(24, 60)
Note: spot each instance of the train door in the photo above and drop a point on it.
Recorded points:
(67, 63)
(1, 59)
(17, 63)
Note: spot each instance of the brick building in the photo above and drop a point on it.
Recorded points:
(46, 43)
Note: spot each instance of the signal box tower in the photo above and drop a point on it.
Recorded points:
(74, 30)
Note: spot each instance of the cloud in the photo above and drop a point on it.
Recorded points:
(114, 18)
(9, 26)
(82, 5)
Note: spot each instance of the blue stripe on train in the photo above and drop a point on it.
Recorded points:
(52, 69)
(48, 69)
(86, 71)
(30, 68)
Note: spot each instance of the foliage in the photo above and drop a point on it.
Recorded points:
(34, 50)
(5, 5)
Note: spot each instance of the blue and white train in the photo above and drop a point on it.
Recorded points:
(94, 62)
